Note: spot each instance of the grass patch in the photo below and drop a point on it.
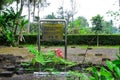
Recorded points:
(76, 46)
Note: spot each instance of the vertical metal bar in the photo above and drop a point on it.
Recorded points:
(39, 37)
(65, 40)
(119, 50)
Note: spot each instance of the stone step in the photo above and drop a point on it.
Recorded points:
(51, 73)
(6, 74)
(9, 68)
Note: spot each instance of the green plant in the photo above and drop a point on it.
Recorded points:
(11, 22)
(110, 72)
(102, 74)
(48, 60)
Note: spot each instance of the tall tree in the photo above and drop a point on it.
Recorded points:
(64, 14)
(34, 6)
(60, 11)
(67, 14)
(97, 25)
(115, 15)
(81, 22)
(107, 27)
(80, 26)
(17, 3)
(29, 6)
(73, 9)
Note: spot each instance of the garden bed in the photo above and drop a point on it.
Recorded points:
(11, 58)
(13, 70)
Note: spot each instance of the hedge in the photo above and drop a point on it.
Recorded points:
(75, 40)
(92, 39)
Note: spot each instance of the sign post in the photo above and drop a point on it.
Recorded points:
(52, 30)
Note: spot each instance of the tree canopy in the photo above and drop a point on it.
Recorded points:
(4, 3)
(97, 23)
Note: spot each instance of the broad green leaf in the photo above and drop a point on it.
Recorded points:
(116, 62)
(91, 78)
(49, 69)
(117, 70)
(95, 73)
(118, 56)
(110, 65)
(106, 78)
(33, 50)
(40, 59)
(105, 72)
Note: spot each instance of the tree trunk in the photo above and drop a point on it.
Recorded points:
(28, 28)
(21, 7)
(20, 37)
(17, 5)
(34, 10)
(20, 12)
(38, 11)
(72, 21)
(97, 40)
(72, 9)
(33, 14)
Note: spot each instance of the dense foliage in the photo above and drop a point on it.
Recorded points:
(11, 24)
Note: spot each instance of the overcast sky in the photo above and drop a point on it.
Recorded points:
(86, 8)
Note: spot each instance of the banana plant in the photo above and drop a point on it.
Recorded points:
(11, 21)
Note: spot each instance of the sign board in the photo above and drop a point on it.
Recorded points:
(52, 31)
